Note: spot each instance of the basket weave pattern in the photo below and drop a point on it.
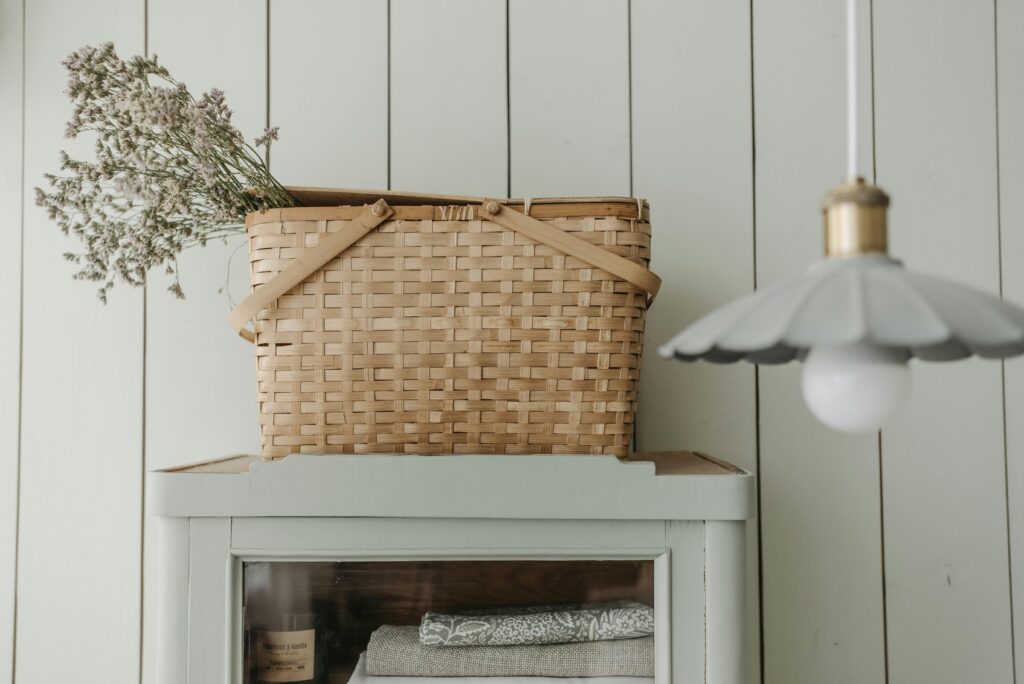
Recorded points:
(440, 332)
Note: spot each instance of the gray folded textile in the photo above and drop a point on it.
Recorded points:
(538, 625)
(397, 651)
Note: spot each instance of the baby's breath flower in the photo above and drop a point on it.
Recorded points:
(170, 172)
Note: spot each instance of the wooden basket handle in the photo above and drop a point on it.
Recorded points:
(569, 244)
(308, 261)
(312, 259)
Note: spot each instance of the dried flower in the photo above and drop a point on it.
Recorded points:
(269, 135)
(170, 171)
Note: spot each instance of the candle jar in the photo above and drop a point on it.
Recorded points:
(286, 650)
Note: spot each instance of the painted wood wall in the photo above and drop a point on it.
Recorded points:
(886, 558)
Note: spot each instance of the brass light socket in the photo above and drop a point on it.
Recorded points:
(855, 220)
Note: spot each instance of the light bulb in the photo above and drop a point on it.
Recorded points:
(855, 388)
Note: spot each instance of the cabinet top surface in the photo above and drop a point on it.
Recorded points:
(665, 463)
(676, 485)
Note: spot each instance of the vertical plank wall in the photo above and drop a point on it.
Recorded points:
(1010, 114)
(943, 470)
(11, 119)
(197, 377)
(79, 563)
(188, 417)
(880, 559)
(336, 134)
(822, 591)
(465, 40)
(692, 159)
(568, 110)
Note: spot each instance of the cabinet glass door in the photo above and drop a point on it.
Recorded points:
(354, 621)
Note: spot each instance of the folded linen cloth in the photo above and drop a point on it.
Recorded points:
(397, 651)
(359, 676)
(538, 624)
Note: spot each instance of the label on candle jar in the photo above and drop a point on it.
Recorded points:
(285, 656)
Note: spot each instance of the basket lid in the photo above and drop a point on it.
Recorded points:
(330, 197)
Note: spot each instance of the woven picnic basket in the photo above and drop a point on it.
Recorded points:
(402, 323)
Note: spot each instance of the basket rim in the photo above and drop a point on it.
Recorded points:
(311, 196)
(331, 204)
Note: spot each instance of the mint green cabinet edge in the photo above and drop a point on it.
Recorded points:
(515, 487)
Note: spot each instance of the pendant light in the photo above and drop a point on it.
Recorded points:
(857, 317)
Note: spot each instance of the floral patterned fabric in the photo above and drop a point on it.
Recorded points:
(538, 625)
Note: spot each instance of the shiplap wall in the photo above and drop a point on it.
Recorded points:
(875, 559)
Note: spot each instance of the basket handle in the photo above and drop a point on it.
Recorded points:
(307, 262)
(538, 231)
(312, 259)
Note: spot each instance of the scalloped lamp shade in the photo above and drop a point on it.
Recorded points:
(856, 318)
(868, 299)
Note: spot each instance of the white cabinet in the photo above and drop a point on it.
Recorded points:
(668, 528)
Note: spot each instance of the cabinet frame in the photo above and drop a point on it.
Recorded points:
(699, 570)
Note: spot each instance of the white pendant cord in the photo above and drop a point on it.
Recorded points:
(852, 92)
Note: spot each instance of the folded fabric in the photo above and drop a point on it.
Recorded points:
(397, 651)
(538, 625)
(359, 676)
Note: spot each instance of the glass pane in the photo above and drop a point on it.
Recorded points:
(310, 621)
